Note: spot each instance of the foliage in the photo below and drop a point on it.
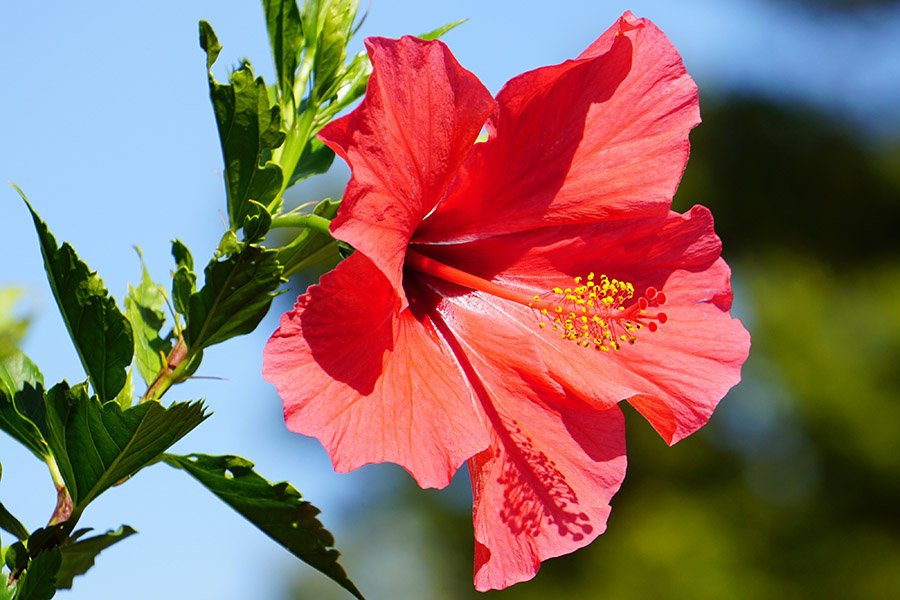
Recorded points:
(102, 431)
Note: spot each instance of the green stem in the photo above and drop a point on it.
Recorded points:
(314, 222)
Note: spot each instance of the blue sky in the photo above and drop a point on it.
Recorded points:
(105, 123)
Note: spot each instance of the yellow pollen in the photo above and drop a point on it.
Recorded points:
(599, 312)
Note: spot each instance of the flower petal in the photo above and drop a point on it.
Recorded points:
(543, 487)
(674, 376)
(421, 114)
(550, 473)
(372, 382)
(601, 137)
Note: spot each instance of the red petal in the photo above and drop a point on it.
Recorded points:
(604, 136)
(421, 114)
(675, 375)
(543, 487)
(371, 382)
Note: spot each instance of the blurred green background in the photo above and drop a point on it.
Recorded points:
(792, 490)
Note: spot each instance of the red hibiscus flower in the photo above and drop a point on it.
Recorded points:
(504, 296)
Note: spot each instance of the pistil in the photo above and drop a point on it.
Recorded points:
(594, 312)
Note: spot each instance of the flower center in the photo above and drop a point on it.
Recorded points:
(591, 313)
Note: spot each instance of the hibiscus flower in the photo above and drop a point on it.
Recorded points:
(505, 296)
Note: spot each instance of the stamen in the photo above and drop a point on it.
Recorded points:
(593, 313)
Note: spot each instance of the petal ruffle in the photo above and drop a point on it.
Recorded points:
(544, 486)
(372, 382)
(421, 114)
(674, 376)
(601, 137)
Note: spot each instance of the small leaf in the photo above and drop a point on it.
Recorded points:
(235, 297)
(79, 556)
(144, 307)
(249, 130)
(39, 580)
(20, 416)
(97, 445)
(440, 31)
(257, 222)
(101, 333)
(184, 280)
(276, 509)
(285, 39)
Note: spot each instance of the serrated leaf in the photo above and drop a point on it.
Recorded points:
(101, 333)
(97, 445)
(144, 307)
(39, 579)
(79, 556)
(249, 130)
(440, 31)
(236, 295)
(310, 246)
(276, 509)
(20, 415)
(184, 280)
(285, 39)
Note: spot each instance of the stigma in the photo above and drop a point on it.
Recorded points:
(599, 312)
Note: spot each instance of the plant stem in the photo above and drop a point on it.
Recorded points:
(314, 222)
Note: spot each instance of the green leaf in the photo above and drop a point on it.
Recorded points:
(11, 524)
(249, 130)
(257, 222)
(316, 158)
(310, 246)
(125, 397)
(39, 580)
(101, 333)
(144, 307)
(236, 295)
(285, 39)
(277, 509)
(97, 445)
(78, 557)
(335, 21)
(440, 31)
(7, 590)
(17, 370)
(20, 415)
(184, 280)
